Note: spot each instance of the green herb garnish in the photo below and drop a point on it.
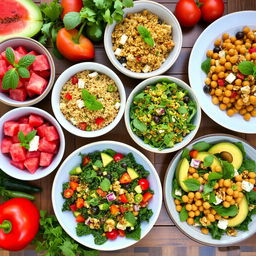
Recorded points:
(205, 66)
(25, 139)
(146, 35)
(105, 184)
(247, 68)
(90, 101)
(183, 214)
(192, 184)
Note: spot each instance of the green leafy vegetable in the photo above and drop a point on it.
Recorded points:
(25, 139)
(135, 234)
(215, 232)
(182, 110)
(192, 184)
(205, 66)
(208, 188)
(105, 184)
(130, 218)
(208, 160)
(146, 35)
(222, 211)
(214, 176)
(185, 154)
(227, 170)
(247, 68)
(175, 186)
(82, 229)
(248, 165)
(90, 101)
(241, 147)
(139, 125)
(72, 20)
(201, 146)
(183, 214)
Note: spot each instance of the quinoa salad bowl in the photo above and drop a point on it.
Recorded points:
(88, 99)
(146, 42)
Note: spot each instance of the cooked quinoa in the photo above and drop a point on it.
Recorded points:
(73, 106)
(130, 48)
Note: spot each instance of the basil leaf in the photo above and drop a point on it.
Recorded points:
(192, 184)
(105, 184)
(90, 101)
(214, 176)
(246, 67)
(21, 136)
(208, 160)
(185, 154)
(227, 170)
(222, 211)
(183, 214)
(201, 146)
(11, 79)
(26, 61)
(205, 66)
(23, 72)
(139, 125)
(9, 54)
(72, 20)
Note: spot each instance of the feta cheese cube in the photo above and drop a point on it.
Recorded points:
(118, 51)
(236, 173)
(81, 83)
(218, 200)
(146, 69)
(34, 143)
(178, 192)
(123, 39)
(247, 186)
(73, 121)
(195, 163)
(93, 74)
(246, 89)
(80, 103)
(222, 54)
(222, 224)
(230, 78)
(62, 105)
(117, 105)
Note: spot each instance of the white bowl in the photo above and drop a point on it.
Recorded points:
(194, 232)
(30, 44)
(5, 159)
(230, 24)
(196, 118)
(67, 219)
(166, 15)
(65, 76)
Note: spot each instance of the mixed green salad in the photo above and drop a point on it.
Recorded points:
(109, 195)
(162, 114)
(214, 188)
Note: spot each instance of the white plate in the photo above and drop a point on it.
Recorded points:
(230, 24)
(194, 232)
(67, 220)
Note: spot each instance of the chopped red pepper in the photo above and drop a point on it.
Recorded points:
(125, 178)
(254, 188)
(83, 125)
(73, 185)
(74, 80)
(73, 207)
(114, 209)
(146, 197)
(117, 157)
(86, 160)
(193, 153)
(233, 94)
(123, 209)
(138, 59)
(123, 198)
(68, 193)
(252, 50)
(79, 203)
(240, 76)
(99, 120)
(68, 96)
(221, 82)
(121, 232)
(80, 219)
(100, 192)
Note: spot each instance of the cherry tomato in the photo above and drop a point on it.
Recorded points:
(83, 125)
(68, 193)
(123, 198)
(146, 197)
(121, 232)
(187, 13)
(79, 203)
(68, 96)
(100, 192)
(74, 80)
(99, 120)
(211, 9)
(221, 82)
(123, 209)
(80, 219)
(86, 160)
(112, 235)
(193, 153)
(233, 94)
(117, 157)
(252, 50)
(73, 207)
(254, 189)
(73, 185)
(71, 6)
(144, 184)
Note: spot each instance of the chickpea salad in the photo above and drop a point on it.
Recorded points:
(109, 195)
(162, 114)
(214, 188)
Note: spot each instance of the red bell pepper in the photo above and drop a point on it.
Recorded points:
(146, 197)
(125, 178)
(86, 160)
(79, 203)
(123, 198)
(80, 219)
(121, 232)
(114, 209)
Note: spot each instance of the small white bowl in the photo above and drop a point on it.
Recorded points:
(166, 15)
(196, 118)
(11, 170)
(30, 44)
(67, 219)
(64, 77)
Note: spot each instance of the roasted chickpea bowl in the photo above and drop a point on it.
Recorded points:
(210, 192)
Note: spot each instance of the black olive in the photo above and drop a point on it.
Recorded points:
(207, 89)
(216, 49)
(126, 185)
(109, 176)
(156, 119)
(128, 229)
(159, 21)
(124, 165)
(186, 99)
(240, 35)
(99, 173)
(95, 210)
(123, 60)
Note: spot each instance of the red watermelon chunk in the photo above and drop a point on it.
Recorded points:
(20, 84)
(45, 73)
(3, 68)
(35, 120)
(15, 139)
(17, 152)
(32, 53)
(45, 159)
(18, 56)
(11, 128)
(21, 50)
(19, 94)
(32, 154)
(25, 128)
(47, 146)
(41, 63)
(23, 120)
(32, 164)
(2, 89)
(6, 144)
(19, 165)
(36, 84)
(51, 133)
(41, 130)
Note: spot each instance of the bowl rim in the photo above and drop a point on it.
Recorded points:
(153, 172)
(142, 85)
(91, 66)
(169, 60)
(61, 150)
(165, 184)
(37, 99)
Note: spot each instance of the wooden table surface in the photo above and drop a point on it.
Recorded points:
(164, 239)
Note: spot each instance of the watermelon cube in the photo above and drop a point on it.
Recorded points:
(45, 73)
(32, 53)
(19, 165)
(36, 84)
(32, 164)
(6, 144)
(23, 120)
(19, 94)
(51, 133)
(35, 120)
(15, 139)
(11, 128)
(45, 159)
(25, 128)
(31, 154)
(21, 50)
(3, 68)
(41, 130)
(18, 56)
(30, 94)
(47, 146)
(17, 152)
(20, 84)
(41, 63)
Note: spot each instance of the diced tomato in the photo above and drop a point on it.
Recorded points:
(32, 53)
(15, 139)
(11, 128)
(252, 50)
(125, 178)
(240, 76)
(114, 209)
(73, 207)
(19, 165)
(21, 50)
(112, 235)
(32, 154)
(254, 188)
(86, 160)
(45, 159)
(51, 133)
(123, 209)
(79, 202)
(80, 219)
(117, 157)
(3, 68)
(123, 198)
(144, 184)
(233, 94)
(6, 144)
(138, 58)
(35, 120)
(73, 185)
(68, 96)
(74, 80)
(41, 63)
(36, 84)
(32, 164)
(146, 197)
(19, 94)
(100, 192)
(68, 193)
(221, 82)
(23, 120)
(41, 130)
(193, 153)
(121, 232)
(83, 125)
(25, 128)
(99, 120)
(17, 152)
(47, 146)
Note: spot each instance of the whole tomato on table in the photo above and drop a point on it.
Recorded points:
(71, 6)
(211, 9)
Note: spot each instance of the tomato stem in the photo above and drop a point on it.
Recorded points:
(6, 226)
(79, 33)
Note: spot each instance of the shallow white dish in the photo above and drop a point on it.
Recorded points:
(194, 232)
(67, 219)
(230, 24)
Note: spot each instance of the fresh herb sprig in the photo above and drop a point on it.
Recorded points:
(205, 66)
(25, 139)
(11, 77)
(146, 35)
(90, 101)
(247, 68)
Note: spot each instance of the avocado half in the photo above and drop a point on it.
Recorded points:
(202, 155)
(230, 148)
(182, 173)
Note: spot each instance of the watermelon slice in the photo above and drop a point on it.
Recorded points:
(19, 18)
(36, 84)
(19, 165)
(11, 128)
(17, 152)
(45, 159)
(32, 164)
(6, 144)
(41, 63)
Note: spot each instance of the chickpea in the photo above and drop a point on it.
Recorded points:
(211, 217)
(245, 83)
(232, 202)
(176, 201)
(217, 217)
(228, 65)
(249, 108)
(253, 113)
(217, 169)
(198, 203)
(207, 81)
(223, 106)
(234, 59)
(216, 186)
(184, 198)
(212, 69)
(226, 204)
(248, 57)
(197, 213)
(217, 42)
(252, 175)
(221, 182)
(238, 178)
(212, 62)
(206, 205)
(230, 112)
(240, 194)
(188, 207)
(213, 211)
(252, 99)
(223, 60)
(198, 195)
(230, 191)
(229, 87)
(201, 208)
(207, 212)
(242, 111)
(214, 77)
(209, 53)
(214, 84)
(229, 198)
(253, 55)
(225, 36)
(228, 93)
(226, 100)
(252, 181)
(191, 195)
(246, 30)
(178, 208)
(190, 176)
(190, 221)
(236, 194)
(206, 176)
(247, 116)
(191, 214)
(227, 183)
(215, 56)
(205, 231)
(194, 207)
(215, 100)
(190, 200)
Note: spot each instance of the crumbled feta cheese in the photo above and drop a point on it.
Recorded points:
(121, 226)
(62, 105)
(81, 83)
(34, 143)
(93, 74)
(217, 63)
(218, 200)
(230, 78)
(118, 51)
(195, 163)
(222, 54)
(247, 186)
(236, 173)
(161, 131)
(173, 119)
(123, 39)
(80, 103)
(222, 224)
(178, 192)
(73, 121)
(104, 173)
(117, 105)
(146, 69)
(245, 89)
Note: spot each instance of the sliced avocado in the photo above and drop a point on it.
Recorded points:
(129, 224)
(104, 207)
(76, 213)
(138, 189)
(133, 174)
(106, 159)
(182, 173)
(241, 215)
(216, 163)
(76, 170)
(232, 149)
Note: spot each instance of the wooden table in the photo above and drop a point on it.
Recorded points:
(164, 239)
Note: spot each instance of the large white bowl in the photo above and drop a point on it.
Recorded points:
(196, 118)
(230, 24)
(194, 232)
(5, 159)
(67, 220)
(64, 77)
(166, 15)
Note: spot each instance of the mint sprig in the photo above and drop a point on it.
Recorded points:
(25, 139)
(90, 101)
(146, 35)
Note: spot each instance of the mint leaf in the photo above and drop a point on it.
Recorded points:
(205, 66)
(23, 72)
(90, 101)
(208, 160)
(192, 184)
(139, 125)
(26, 61)
(24, 140)
(183, 214)
(72, 20)
(146, 35)
(201, 146)
(11, 79)
(9, 54)
(105, 184)
(130, 218)
(246, 67)
(31, 135)
(222, 211)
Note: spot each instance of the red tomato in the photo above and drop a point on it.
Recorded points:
(254, 189)
(233, 94)
(74, 80)
(83, 125)
(193, 153)
(79, 203)
(100, 192)
(114, 209)
(117, 157)
(112, 235)
(146, 197)
(123, 209)
(99, 120)
(68, 193)
(144, 184)
(68, 96)
(240, 76)
(71, 6)
(73, 185)
(121, 232)
(211, 9)
(187, 12)
(221, 82)
(125, 178)
(86, 160)
(73, 207)
(80, 219)
(123, 198)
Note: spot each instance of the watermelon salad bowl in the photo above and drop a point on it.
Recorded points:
(32, 143)
(27, 72)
